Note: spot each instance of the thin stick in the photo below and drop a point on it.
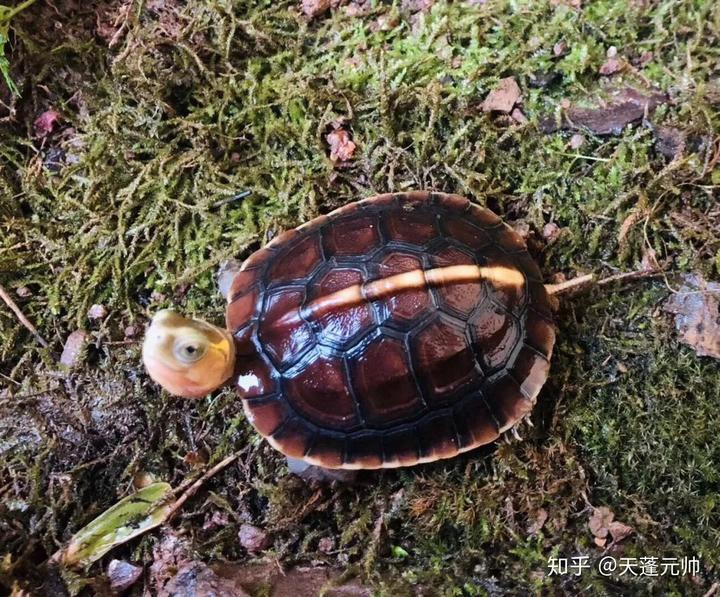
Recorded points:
(570, 285)
(190, 491)
(637, 275)
(588, 279)
(21, 317)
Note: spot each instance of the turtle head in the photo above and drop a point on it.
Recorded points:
(187, 357)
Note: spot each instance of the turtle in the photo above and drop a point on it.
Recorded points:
(397, 330)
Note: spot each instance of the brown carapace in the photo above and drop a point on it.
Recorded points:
(400, 329)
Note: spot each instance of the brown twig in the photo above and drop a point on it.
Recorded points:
(570, 285)
(21, 317)
(192, 489)
(589, 279)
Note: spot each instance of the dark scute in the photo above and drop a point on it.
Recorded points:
(321, 392)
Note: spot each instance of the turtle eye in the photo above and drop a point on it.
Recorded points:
(189, 352)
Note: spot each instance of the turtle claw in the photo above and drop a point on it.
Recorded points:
(310, 472)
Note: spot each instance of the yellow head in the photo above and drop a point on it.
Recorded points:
(187, 357)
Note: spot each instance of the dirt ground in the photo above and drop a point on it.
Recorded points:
(591, 127)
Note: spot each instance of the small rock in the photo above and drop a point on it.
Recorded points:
(314, 8)
(503, 98)
(122, 575)
(518, 116)
(611, 66)
(611, 52)
(670, 141)
(560, 48)
(253, 539)
(576, 141)
(23, 292)
(197, 579)
(131, 331)
(97, 312)
(326, 544)
(75, 345)
(46, 123)
(218, 519)
(551, 231)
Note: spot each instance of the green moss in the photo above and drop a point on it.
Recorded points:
(198, 101)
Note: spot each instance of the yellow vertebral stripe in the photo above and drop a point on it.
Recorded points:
(413, 280)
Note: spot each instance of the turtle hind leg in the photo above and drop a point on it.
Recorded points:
(310, 472)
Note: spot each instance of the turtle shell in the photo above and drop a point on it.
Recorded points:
(346, 363)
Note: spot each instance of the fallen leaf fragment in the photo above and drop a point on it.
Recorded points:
(342, 147)
(130, 517)
(600, 521)
(602, 525)
(503, 98)
(619, 531)
(696, 307)
(541, 517)
(624, 107)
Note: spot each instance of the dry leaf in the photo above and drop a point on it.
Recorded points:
(341, 144)
(503, 97)
(619, 531)
(600, 520)
(541, 517)
(697, 314)
(625, 106)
